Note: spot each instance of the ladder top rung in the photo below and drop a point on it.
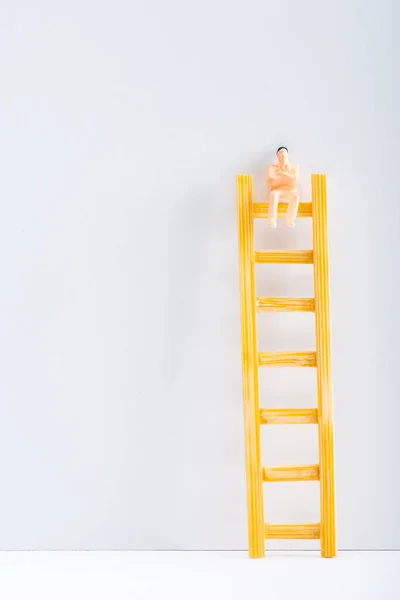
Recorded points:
(287, 359)
(305, 531)
(285, 304)
(260, 209)
(291, 473)
(299, 257)
(289, 416)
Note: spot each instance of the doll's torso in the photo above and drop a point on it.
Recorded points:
(284, 179)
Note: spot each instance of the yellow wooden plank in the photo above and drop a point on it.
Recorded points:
(324, 375)
(285, 304)
(287, 359)
(291, 473)
(255, 502)
(289, 416)
(299, 257)
(306, 531)
(260, 209)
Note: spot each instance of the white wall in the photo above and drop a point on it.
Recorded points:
(122, 128)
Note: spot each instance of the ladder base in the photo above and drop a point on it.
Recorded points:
(304, 531)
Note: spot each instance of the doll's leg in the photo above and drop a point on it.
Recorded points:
(293, 205)
(273, 208)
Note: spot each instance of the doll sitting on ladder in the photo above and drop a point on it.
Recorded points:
(282, 178)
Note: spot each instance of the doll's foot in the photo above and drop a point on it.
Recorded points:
(290, 223)
(272, 223)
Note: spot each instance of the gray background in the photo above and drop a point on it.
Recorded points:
(122, 128)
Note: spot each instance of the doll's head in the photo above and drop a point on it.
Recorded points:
(283, 155)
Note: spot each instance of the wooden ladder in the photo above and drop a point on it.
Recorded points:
(254, 417)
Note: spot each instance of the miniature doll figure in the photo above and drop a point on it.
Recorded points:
(282, 178)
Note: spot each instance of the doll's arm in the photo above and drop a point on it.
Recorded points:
(293, 173)
(272, 174)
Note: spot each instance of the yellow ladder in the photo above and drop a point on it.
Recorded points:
(254, 417)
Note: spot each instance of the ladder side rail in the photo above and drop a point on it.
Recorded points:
(255, 502)
(324, 373)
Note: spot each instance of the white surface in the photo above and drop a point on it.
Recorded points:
(123, 126)
(198, 575)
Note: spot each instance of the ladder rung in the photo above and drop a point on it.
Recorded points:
(293, 473)
(289, 416)
(260, 209)
(285, 304)
(306, 531)
(304, 257)
(287, 359)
